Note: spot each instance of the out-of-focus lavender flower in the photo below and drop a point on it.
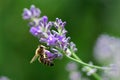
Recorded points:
(89, 70)
(74, 73)
(115, 71)
(107, 51)
(71, 66)
(51, 33)
(112, 74)
(106, 48)
(4, 78)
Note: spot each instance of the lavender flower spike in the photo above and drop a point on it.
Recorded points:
(33, 12)
(41, 28)
(52, 34)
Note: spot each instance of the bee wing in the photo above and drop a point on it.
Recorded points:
(34, 58)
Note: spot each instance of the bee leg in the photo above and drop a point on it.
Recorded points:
(39, 59)
(51, 64)
(34, 58)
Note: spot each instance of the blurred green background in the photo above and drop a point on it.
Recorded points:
(86, 20)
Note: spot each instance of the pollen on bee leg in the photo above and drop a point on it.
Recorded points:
(34, 58)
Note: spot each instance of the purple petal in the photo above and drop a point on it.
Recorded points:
(26, 14)
(52, 56)
(45, 19)
(34, 31)
(49, 54)
(35, 11)
(51, 40)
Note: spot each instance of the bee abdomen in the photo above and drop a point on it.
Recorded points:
(46, 61)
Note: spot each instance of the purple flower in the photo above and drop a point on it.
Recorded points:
(52, 56)
(33, 12)
(73, 47)
(34, 31)
(4, 78)
(51, 33)
(59, 24)
(44, 20)
(51, 40)
(27, 14)
(107, 51)
(71, 66)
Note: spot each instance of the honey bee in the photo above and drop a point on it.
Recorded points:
(42, 56)
(46, 61)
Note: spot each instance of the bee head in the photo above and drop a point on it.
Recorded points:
(41, 47)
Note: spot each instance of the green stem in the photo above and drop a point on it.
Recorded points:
(80, 61)
(85, 64)
(76, 56)
(97, 76)
(77, 59)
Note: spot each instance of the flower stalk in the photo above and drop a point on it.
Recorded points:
(53, 35)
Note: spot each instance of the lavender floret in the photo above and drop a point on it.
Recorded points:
(31, 13)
